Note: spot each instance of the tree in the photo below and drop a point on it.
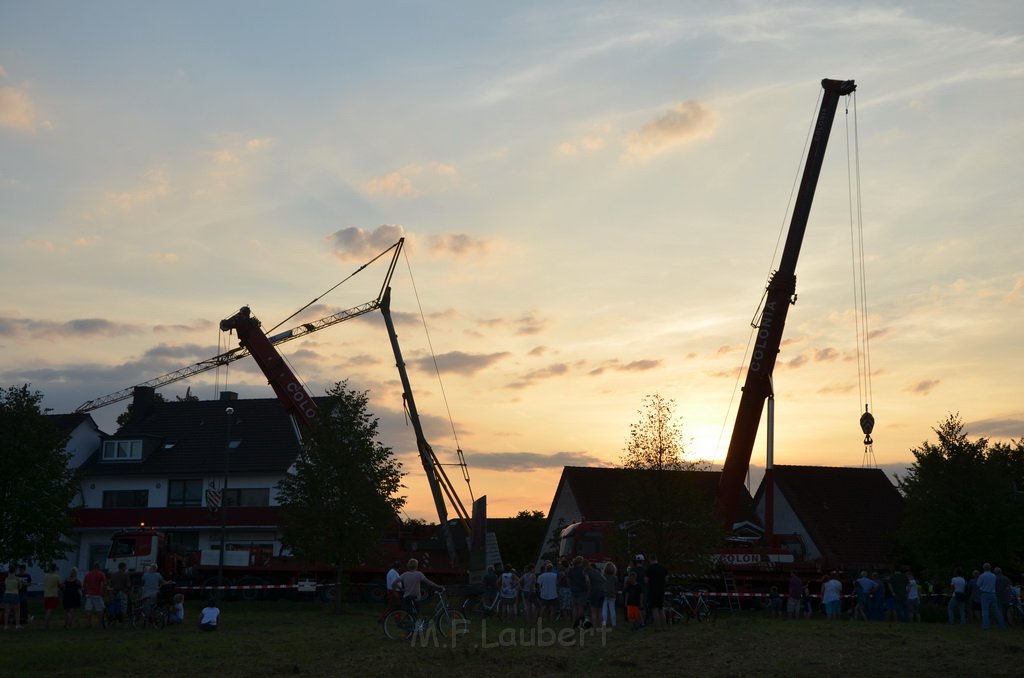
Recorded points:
(963, 502)
(37, 484)
(344, 490)
(655, 441)
(521, 537)
(666, 501)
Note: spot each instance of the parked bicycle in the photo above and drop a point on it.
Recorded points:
(482, 604)
(402, 624)
(686, 605)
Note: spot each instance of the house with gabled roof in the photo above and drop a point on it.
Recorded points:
(590, 493)
(846, 518)
(167, 466)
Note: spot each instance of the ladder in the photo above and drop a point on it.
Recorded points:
(732, 597)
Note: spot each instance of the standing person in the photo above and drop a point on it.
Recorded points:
(72, 597)
(611, 585)
(831, 593)
(120, 584)
(796, 592)
(986, 585)
(394, 598)
(24, 581)
(528, 586)
(410, 583)
(547, 582)
(51, 593)
(876, 601)
(595, 583)
(1004, 589)
(631, 593)
(639, 568)
(209, 617)
(898, 586)
(564, 590)
(152, 580)
(94, 584)
(509, 586)
(864, 587)
(12, 602)
(958, 597)
(579, 586)
(657, 576)
(913, 598)
(491, 587)
(973, 597)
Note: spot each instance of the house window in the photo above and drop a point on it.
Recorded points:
(125, 498)
(122, 450)
(185, 492)
(257, 496)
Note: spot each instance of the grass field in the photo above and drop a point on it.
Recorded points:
(304, 638)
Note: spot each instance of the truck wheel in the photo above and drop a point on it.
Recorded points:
(255, 593)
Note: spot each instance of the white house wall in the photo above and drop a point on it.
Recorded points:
(787, 522)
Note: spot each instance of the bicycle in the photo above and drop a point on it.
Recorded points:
(688, 605)
(478, 605)
(145, 613)
(402, 624)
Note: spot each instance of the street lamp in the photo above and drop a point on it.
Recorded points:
(230, 411)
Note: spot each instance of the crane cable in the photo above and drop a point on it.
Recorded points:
(860, 298)
(461, 463)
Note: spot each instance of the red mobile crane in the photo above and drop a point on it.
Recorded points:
(591, 538)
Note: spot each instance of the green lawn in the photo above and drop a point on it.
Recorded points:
(282, 637)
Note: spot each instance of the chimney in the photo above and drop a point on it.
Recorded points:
(143, 402)
(229, 395)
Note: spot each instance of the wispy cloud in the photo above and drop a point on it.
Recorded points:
(16, 110)
(357, 244)
(684, 122)
(458, 245)
(458, 362)
(924, 387)
(529, 461)
(81, 327)
(414, 180)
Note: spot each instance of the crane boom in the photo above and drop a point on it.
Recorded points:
(230, 356)
(780, 294)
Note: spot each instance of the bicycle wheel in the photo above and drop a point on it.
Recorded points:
(451, 623)
(399, 625)
(138, 618)
(159, 618)
(675, 616)
(707, 612)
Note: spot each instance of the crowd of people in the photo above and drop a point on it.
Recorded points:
(585, 594)
(989, 595)
(102, 598)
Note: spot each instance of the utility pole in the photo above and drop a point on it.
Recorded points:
(230, 411)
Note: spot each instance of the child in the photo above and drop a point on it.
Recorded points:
(177, 613)
(209, 616)
(632, 593)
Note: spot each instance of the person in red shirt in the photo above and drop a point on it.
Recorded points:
(93, 586)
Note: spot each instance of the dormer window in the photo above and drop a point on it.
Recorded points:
(122, 450)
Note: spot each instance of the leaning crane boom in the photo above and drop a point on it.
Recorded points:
(779, 296)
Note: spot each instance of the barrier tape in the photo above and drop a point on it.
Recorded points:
(247, 587)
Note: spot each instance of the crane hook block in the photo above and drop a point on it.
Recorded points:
(867, 424)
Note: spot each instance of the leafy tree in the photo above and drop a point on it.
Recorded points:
(37, 484)
(666, 502)
(963, 502)
(521, 537)
(344, 490)
(158, 397)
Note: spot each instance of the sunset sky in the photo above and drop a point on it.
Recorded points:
(591, 194)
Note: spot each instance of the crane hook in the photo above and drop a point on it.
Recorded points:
(867, 424)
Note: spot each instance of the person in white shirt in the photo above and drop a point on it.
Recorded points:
(209, 617)
(547, 581)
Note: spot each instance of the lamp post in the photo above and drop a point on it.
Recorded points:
(230, 411)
